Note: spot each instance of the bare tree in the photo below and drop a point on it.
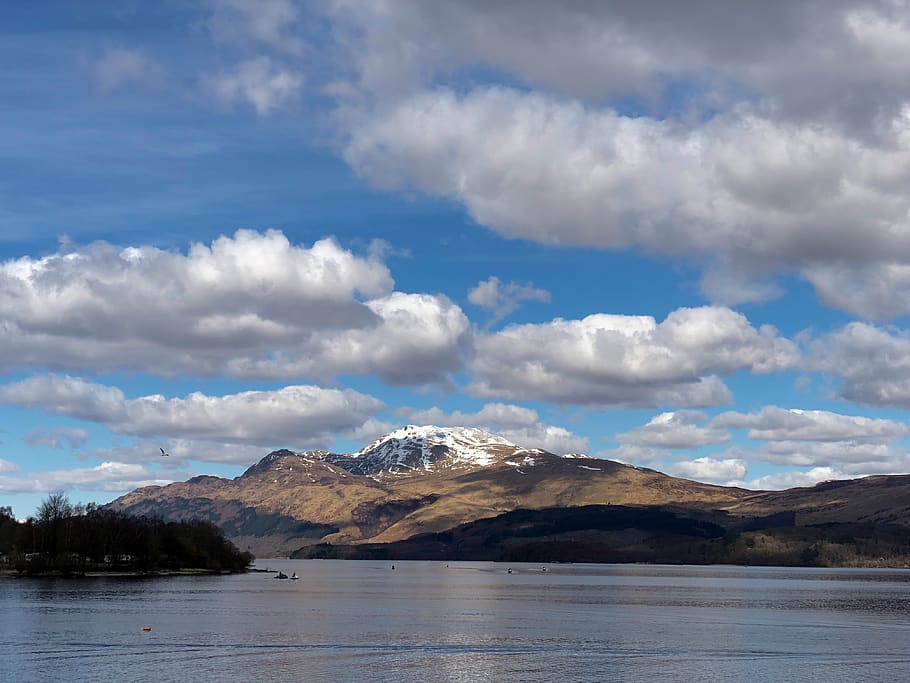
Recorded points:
(54, 508)
(52, 516)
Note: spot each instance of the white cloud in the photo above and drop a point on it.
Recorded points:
(266, 418)
(260, 82)
(72, 437)
(7, 466)
(711, 470)
(872, 362)
(121, 67)
(114, 477)
(253, 304)
(490, 416)
(879, 291)
(419, 339)
(772, 423)
(634, 454)
(726, 54)
(755, 190)
(550, 438)
(501, 299)
(795, 478)
(848, 456)
(729, 158)
(627, 360)
(516, 423)
(370, 430)
(852, 444)
(676, 430)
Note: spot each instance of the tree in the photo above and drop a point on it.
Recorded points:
(9, 530)
(54, 508)
(52, 517)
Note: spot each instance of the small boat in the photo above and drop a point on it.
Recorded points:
(294, 577)
(281, 575)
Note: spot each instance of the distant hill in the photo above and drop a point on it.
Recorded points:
(395, 494)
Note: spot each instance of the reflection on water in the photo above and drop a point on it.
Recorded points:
(462, 622)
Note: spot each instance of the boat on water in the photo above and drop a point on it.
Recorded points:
(281, 575)
(294, 577)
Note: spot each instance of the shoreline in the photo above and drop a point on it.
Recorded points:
(15, 574)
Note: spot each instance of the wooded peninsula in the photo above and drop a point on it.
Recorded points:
(67, 539)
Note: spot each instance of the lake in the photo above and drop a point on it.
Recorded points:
(462, 621)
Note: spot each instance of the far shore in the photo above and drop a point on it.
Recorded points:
(15, 574)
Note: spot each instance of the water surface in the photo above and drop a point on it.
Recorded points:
(437, 621)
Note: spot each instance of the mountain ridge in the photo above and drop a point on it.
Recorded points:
(425, 480)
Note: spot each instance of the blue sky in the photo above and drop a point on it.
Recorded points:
(672, 236)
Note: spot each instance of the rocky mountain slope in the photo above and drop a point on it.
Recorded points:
(414, 480)
(427, 480)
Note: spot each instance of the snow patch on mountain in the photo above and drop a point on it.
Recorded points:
(416, 449)
(428, 448)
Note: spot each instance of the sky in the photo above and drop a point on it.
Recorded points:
(675, 235)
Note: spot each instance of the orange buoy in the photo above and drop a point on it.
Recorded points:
(146, 628)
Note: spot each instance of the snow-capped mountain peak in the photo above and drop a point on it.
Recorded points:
(429, 448)
(415, 449)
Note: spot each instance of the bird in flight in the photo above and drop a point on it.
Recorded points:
(162, 451)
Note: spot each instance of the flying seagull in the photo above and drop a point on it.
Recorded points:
(162, 451)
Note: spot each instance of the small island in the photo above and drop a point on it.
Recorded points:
(77, 540)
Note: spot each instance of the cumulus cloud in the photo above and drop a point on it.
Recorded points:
(559, 172)
(872, 362)
(851, 457)
(711, 470)
(294, 413)
(879, 291)
(853, 445)
(549, 438)
(729, 159)
(6, 466)
(627, 360)
(114, 477)
(501, 299)
(849, 51)
(369, 431)
(259, 82)
(772, 423)
(253, 305)
(516, 423)
(58, 437)
(419, 339)
(634, 454)
(491, 415)
(796, 478)
(681, 429)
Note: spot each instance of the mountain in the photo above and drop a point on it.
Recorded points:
(404, 492)
(414, 449)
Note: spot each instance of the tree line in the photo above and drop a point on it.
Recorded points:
(67, 538)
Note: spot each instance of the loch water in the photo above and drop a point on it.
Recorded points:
(461, 621)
